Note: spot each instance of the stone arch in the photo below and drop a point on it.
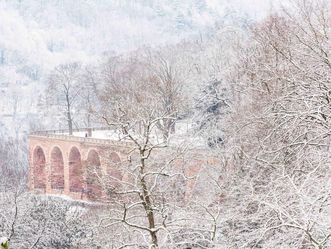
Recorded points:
(115, 158)
(76, 178)
(57, 169)
(39, 168)
(93, 163)
(113, 169)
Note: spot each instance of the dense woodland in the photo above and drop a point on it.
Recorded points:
(257, 95)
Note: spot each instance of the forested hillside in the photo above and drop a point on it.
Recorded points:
(37, 36)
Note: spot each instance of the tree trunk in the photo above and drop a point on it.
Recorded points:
(69, 115)
(147, 203)
(69, 123)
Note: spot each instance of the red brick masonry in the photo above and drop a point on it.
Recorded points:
(58, 164)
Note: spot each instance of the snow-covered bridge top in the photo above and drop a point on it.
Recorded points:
(99, 135)
(106, 135)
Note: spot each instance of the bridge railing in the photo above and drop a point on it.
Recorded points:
(64, 134)
(66, 131)
(99, 141)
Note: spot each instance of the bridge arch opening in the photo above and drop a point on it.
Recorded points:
(57, 169)
(113, 169)
(39, 168)
(76, 179)
(94, 175)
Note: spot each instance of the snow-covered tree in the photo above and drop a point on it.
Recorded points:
(64, 89)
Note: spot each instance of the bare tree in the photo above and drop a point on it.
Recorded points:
(281, 134)
(167, 87)
(144, 202)
(90, 81)
(64, 89)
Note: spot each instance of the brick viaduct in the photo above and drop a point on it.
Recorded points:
(58, 164)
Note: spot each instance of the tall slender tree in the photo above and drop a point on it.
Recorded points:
(64, 90)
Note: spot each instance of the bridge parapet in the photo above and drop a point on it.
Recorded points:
(99, 141)
(66, 131)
